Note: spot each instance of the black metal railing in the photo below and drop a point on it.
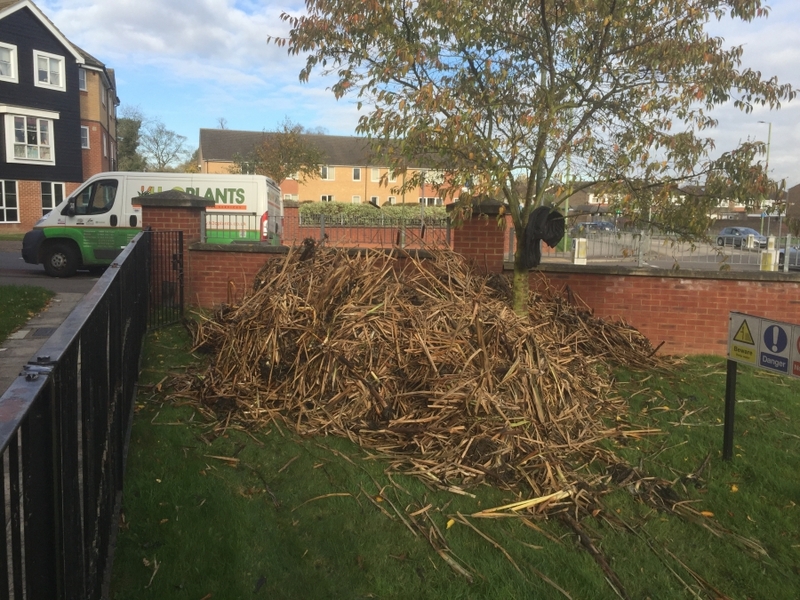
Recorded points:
(166, 278)
(64, 430)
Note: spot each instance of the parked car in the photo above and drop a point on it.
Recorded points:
(794, 258)
(580, 229)
(737, 237)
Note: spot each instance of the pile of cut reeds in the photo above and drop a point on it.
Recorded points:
(420, 360)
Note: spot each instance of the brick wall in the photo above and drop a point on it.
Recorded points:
(688, 312)
(482, 242)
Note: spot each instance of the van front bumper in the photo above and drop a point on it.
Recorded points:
(30, 246)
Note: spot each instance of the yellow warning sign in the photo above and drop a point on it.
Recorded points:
(743, 354)
(743, 335)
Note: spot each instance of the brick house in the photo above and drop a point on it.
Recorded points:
(57, 115)
(350, 173)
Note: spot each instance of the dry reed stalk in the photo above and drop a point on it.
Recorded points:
(421, 361)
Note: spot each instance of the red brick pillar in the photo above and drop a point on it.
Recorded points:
(177, 211)
(480, 240)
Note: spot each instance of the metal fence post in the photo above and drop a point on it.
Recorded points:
(640, 253)
(786, 253)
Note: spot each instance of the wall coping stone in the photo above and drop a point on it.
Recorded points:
(772, 276)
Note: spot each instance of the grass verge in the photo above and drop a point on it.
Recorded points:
(217, 513)
(18, 303)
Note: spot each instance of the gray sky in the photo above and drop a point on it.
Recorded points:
(191, 62)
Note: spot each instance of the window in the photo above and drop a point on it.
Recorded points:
(49, 71)
(374, 174)
(82, 80)
(326, 173)
(105, 143)
(103, 97)
(375, 200)
(356, 173)
(392, 200)
(52, 195)
(355, 200)
(32, 139)
(97, 198)
(431, 201)
(8, 63)
(9, 210)
(327, 198)
(84, 137)
(392, 176)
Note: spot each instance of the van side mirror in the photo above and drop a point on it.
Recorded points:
(69, 209)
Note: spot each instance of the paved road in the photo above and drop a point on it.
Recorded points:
(15, 271)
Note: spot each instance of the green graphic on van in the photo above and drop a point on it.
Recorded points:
(218, 195)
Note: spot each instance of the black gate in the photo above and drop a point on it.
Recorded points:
(166, 278)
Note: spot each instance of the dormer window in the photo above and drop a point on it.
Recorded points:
(8, 63)
(49, 71)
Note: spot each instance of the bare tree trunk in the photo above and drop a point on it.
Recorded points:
(520, 287)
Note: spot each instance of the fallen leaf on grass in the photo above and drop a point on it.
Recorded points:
(706, 513)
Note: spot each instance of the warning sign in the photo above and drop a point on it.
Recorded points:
(796, 351)
(743, 333)
(774, 353)
(764, 343)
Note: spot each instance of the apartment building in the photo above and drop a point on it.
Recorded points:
(349, 174)
(57, 115)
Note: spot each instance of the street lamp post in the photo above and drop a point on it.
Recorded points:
(769, 143)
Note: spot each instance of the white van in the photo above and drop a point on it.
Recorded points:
(91, 227)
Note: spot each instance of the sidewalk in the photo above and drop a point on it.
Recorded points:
(22, 345)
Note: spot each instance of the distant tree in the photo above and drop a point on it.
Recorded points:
(282, 154)
(128, 125)
(191, 164)
(222, 123)
(617, 91)
(162, 148)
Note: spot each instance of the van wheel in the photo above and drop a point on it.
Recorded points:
(60, 260)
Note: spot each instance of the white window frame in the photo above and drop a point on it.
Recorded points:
(326, 198)
(13, 112)
(392, 200)
(355, 199)
(14, 64)
(62, 85)
(53, 186)
(375, 174)
(356, 173)
(82, 85)
(85, 129)
(392, 176)
(327, 173)
(3, 207)
(105, 144)
(375, 200)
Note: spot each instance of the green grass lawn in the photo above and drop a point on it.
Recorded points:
(216, 513)
(18, 303)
